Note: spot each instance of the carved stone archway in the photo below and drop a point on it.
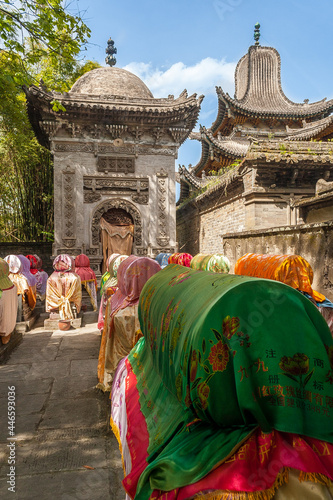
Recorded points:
(117, 203)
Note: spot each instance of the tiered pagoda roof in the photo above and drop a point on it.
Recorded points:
(259, 111)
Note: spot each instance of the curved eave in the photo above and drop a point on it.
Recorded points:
(200, 166)
(225, 146)
(295, 111)
(314, 130)
(189, 178)
(222, 114)
(96, 103)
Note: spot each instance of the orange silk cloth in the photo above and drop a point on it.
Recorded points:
(292, 270)
(61, 290)
(29, 293)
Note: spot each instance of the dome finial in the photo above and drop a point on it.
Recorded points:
(256, 33)
(110, 50)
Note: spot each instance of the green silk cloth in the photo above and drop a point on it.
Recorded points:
(104, 279)
(221, 355)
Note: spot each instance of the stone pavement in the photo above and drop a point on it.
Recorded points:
(64, 448)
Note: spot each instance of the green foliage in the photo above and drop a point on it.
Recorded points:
(39, 39)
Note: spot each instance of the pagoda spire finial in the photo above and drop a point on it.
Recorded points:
(110, 51)
(257, 33)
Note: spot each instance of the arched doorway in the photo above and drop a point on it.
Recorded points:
(117, 233)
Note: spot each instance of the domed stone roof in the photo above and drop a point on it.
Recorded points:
(111, 81)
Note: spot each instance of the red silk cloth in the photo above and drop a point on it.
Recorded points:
(83, 269)
(253, 467)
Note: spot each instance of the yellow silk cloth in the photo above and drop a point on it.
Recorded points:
(117, 342)
(8, 311)
(29, 293)
(61, 290)
(292, 270)
(294, 486)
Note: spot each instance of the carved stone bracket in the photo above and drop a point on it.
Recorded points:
(69, 211)
(117, 203)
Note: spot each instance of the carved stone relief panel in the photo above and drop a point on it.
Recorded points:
(117, 203)
(69, 209)
(94, 187)
(162, 237)
(119, 164)
(142, 251)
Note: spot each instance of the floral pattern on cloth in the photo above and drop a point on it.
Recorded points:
(292, 270)
(132, 275)
(216, 263)
(63, 263)
(261, 464)
(241, 334)
(183, 259)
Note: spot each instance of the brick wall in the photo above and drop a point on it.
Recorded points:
(44, 250)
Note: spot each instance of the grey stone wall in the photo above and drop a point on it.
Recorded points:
(44, 250)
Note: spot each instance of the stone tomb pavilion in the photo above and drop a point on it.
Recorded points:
(114, 147)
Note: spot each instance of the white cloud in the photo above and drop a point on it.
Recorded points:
(200, 78)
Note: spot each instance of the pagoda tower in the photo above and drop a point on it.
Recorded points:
(265, 151)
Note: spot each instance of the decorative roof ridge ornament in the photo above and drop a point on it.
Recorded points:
(256, 35)
(110, 51)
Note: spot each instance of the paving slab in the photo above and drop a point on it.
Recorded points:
(69, 413)
(83, 367)
(69, 485)
(65, 449)
(57, 368)
(74, 387)
(10, 373)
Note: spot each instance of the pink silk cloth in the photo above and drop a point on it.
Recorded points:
(20, 281)
(26, 270)
(183, 259)
(133, 273)
(260, 464)
(41, 278)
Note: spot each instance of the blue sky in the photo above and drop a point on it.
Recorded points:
(196, 44)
